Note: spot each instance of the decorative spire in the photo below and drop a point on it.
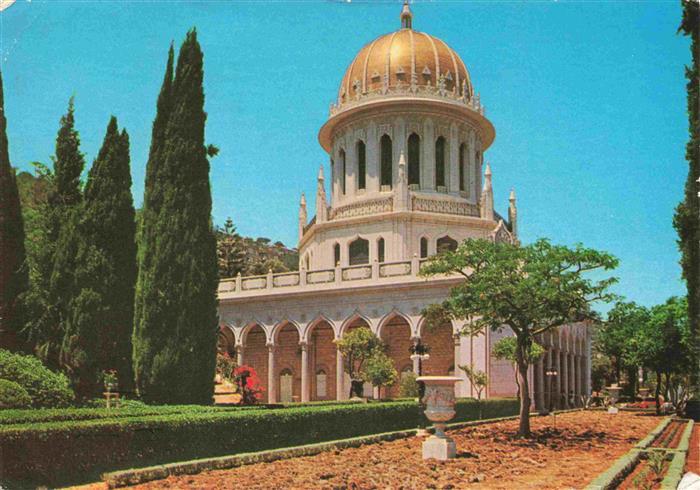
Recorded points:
(321, 206)
(513, 214)
(401, 198)
(406, 16)
(487, 196)
(302, 215)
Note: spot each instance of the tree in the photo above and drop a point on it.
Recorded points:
(506, 350)
(476, 377)
(357, 346)
(662, 344)
(612, 339)
(379, 371)
(13, 268)
(100, 320)
(52, 254)
(229, 250)
(530, 289)
(687, 217)
(176, 322)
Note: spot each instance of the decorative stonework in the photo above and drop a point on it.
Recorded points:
(444, 207)
(395, 269)
(357, 272)
(363, 208)
(286, 280)
(254, 282)
(317, 277)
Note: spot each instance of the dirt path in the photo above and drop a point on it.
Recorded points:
(693, 461)
(568, 455)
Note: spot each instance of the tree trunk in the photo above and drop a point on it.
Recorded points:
(658, 391)
(524, 427)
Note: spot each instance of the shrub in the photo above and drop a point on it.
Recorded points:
(408, 387)
(13, 395)
(45, 388)
(50, 453)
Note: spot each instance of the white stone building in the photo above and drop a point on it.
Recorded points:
(406, 141)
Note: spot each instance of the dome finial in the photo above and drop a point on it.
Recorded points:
(406, 16)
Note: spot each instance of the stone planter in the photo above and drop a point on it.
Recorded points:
(440, 403)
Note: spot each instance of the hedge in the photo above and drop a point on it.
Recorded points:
(13, 395)
(70, 452)
(45, 387)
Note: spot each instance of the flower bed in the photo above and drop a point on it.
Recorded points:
(670, 437)
(70, 451)
(564, 453)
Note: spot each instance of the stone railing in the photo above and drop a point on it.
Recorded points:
(408, 90)
(335, 277)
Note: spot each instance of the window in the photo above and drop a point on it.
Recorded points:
(343, 171)
(446, 244)
(413, 159)
(380, 250)
(423, 248)
(440, 162)
(361, 165)
(462, 166)
(321, 384)
(386, 177)
(359, 252)
(336, 254)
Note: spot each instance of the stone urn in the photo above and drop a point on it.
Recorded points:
(440, 408)
(614, 391)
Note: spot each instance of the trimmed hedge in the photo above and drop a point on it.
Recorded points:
(69, 452)
(12, 395)
(45, 388)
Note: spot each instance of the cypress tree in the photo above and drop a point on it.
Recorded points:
(54, 261)
(13, 269)
(100, 313)
(687, 218)
(176, 319)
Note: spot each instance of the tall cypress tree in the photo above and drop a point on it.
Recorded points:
(53, 263)
(176, 319)
(13, 269)
(100, 313)
(687, 218)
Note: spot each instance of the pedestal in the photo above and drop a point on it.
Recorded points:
(440, 448)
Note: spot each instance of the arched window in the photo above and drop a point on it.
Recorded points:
(385, 144)
(446, 244)
(321, 384)
(359, 252)
(413, 159)
(361, 165)
(343, 170)
(440, 162)
(336, 254)
(423, 248)
(380, 250)
(462, 166)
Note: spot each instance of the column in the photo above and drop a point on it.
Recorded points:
(556, 393)
(539, 380)
(565, 380)
(339, 372)
(415, 360)
(271, 385)
(304, 372)
(452, 160)
(239, 355)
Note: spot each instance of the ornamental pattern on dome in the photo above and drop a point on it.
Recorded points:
(406, 62)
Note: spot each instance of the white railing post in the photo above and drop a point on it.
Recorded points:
(302, 277)
(375, 269)
(239, 282)
(415, 265)
(338, 273)
(268, 282)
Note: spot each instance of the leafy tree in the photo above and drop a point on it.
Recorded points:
(476, 377)
(506, 350)
(662, 343)
(52, 254)
(175, 327)
(100, 320)
(408, 386)
(379, 370)
(357, 347)
(687, 220)
(229, 250)
(13, 269)
(612, 339)
(530, 289)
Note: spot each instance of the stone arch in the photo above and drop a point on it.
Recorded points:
(389, 317)
(358, 251)
(281, 325)
(446, 243)
(441, 342)
(226, 341)
(254, 340)
(321, 349)
(396, 332)
(352, 321)
(243, 337)
(286, 337)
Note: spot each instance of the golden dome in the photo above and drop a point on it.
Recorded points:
(405, 58)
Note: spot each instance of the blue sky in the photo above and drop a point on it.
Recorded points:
(588, 101)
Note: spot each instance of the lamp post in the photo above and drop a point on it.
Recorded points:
(551, 373)
(420, 352)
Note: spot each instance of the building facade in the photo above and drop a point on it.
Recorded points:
(406, 140)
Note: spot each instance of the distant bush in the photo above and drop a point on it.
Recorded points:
(408, 386)
(45, 388)
(68, 452)
(12, 395)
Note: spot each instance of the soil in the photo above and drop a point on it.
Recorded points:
(670, 437)
(693, 461)
(564, 453)
(643, 477)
